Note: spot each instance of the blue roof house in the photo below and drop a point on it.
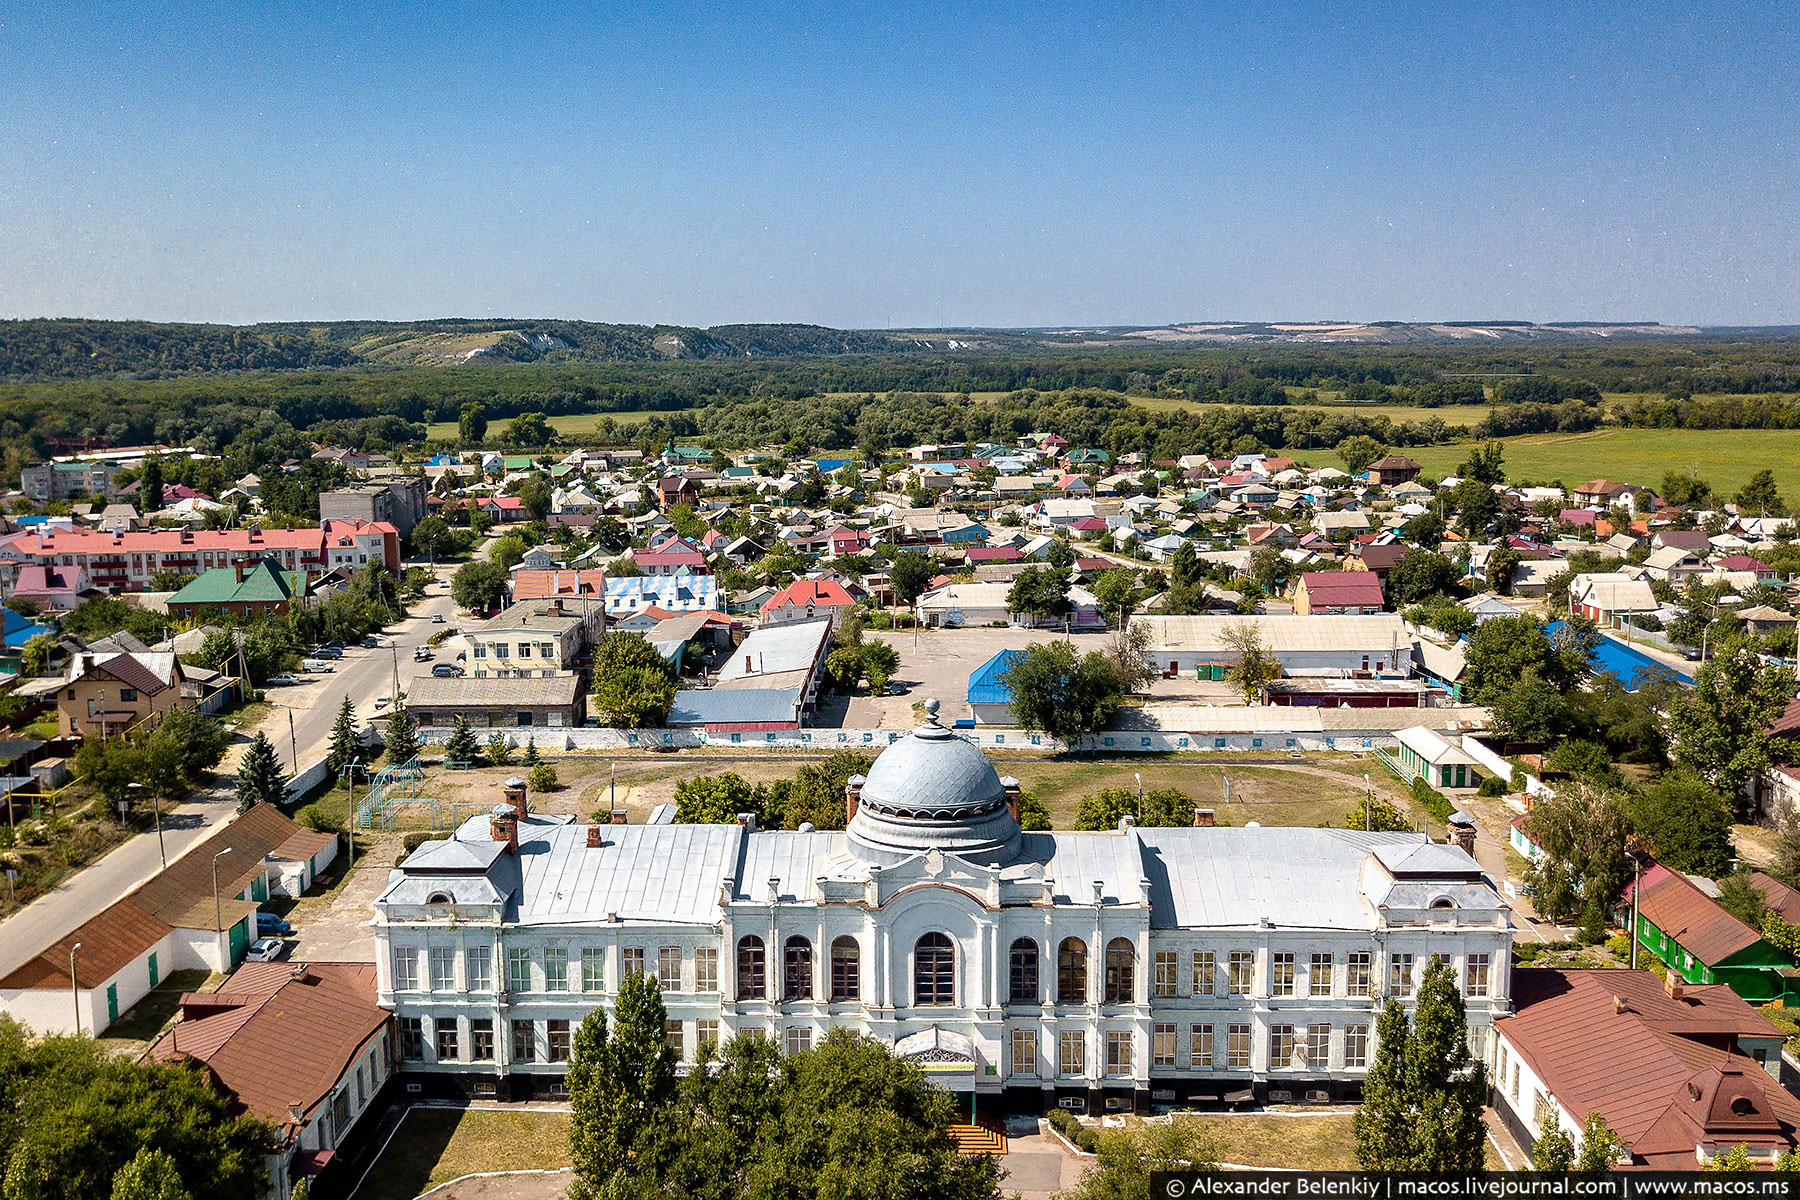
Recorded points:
(990, 699)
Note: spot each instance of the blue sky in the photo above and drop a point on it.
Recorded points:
(901, 165)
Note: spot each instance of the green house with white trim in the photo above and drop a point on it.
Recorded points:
(1426, 754)
(1693, 936)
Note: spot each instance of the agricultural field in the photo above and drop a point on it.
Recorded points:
(1450, 414)
(1725, 458)
(573, 425)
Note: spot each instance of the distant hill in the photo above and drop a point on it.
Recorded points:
(78, 349)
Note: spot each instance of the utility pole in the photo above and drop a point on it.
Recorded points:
(293, 743)
(75, 988)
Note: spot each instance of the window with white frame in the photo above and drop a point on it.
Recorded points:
(1024, 1052)
(556, 1037)
(1477, 975)
(672, 1038)
(1400, 975)
(1200, 1047)
(1071, 1052)
(556, 969)
(481, 1040)
(1205, 967)
(631, 961)
(593, 969)
(1318, 1046)
(1358, 972)
(706, 969)
(1118, 1053)
(1281, 973)
(1162, 1045)
(799, 1038)
(406, 968)
(1318, 975)
(1241, 969)
(1356, 1046)
(444, 1030)
(524, 1041)
(668, 968)
(1167, 978)
(1237, 1047)
(443, 968)
(518, 970)
(478, 965)
(1281, 1047)
(707, 1032)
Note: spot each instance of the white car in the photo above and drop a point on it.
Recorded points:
(382, 702)
(265, 950)
(284, 680)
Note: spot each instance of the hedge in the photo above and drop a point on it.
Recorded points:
(1432, 800)
(1083, 1138)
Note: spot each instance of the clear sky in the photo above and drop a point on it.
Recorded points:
(901, 164)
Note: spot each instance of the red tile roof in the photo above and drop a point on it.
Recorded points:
(820, 593)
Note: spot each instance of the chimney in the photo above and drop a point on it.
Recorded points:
(503, 825)
(1462, 833)
(297, 971)
(1203, 818)
(853, 787)
(1127, 823)
(596, 836)
(513, 790)
(1620, 1008)
(617, 816)
(747, 821)
(238, 566)
(1011, 787)
(1672, 985)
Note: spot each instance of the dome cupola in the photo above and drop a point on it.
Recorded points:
(932, 790)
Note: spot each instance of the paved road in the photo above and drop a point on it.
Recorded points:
(363, 675)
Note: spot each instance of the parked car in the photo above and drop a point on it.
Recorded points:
(447, 671)
(334, 644)
(328, 652)
(265, 950)
(285, 679)
(270, 925)
(437, 618)
(316, 664)
(370, 642)
(422, 654)
(1691, 655)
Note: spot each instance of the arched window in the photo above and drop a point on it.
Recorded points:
(1022, 972)
(796, 969)
(846, 969)
(1120, 963)
(1071, 972)
(934, 971)
(751, 979)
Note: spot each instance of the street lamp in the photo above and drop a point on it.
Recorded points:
(75, 988)
(218, 918)
(612, 792)
(1140, 782)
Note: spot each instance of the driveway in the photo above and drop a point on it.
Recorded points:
(335, 927)
(938, 662)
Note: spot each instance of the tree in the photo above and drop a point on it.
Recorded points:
(1740, 897)
(433, 536)
(1124, 1159)
(1424, 1094)
(1420, 574)
(1686, 823)
(617, 1084)
(1055, 692)
(530, 758)
(1601, 1148)
(344, 747)
(1760, 497)
(1500, 652)
(472, 425)
(34, 656)
(150, 486)
(1733, 1161)
(879, 662)
(480, 585)
(461, 745)
(634, 685)
(718, 799)
(1039, 592)
(542, 778)
(499, 750)
(1502, 565)
(1485, 463)
(150, 1175)
(1358, 451)
(529, 429)
(815, 795)
(260, 779)
(1476, 508)
(535, 495)
(401, 736)
(1117, 593)
(1254, 668)
(1379, 814)
(1581, 830)
(1720, 727)
(1160, 807)
(1554, 1151)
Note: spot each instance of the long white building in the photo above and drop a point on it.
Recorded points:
(1093, 970)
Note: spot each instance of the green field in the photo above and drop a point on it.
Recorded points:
(1725, 458)
(1450, 414)
(572, 425)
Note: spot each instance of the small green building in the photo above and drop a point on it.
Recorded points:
(1691, 935)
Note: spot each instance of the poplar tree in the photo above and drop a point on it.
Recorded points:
(1423, 1098)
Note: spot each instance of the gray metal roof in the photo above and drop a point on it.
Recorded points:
(665, 874)
(493, 691)
(777, 648)
(708, 706)
(1295, 878)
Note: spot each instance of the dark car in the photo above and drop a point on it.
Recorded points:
(332, 645)
(328, 652)
(1691, 655)
(270, 925)
(370, 642)
(447, 671)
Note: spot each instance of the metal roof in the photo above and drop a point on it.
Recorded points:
(1281, 632)
(734, 706)
(984, 682)
(777, 648)
(556, 691)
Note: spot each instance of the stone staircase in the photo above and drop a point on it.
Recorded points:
(988, 1136)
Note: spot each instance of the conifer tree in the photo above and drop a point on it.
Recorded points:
(461, 745)
(260, 779)
(531, 752)
(402, 737)
(343, 738)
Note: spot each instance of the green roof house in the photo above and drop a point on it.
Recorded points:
(249, 589)
(1697, 939)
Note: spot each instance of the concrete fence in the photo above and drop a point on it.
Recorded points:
(1528, 783)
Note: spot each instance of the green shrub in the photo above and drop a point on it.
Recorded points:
(541, 778)
(1432, 800)
(1083, 1138)
(1619, 947)
(1493, 785)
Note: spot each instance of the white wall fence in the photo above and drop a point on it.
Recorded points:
(829, 740)
(1528, 783)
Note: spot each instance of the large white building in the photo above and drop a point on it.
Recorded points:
(1111, 969)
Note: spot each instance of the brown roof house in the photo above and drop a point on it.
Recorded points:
(304, 1046)
(1394, 468)
(112, 692)
(175, 921)
(1681, 1073)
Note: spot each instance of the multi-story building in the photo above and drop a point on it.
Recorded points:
(125, 560)
(399, 501)
(1098, 970)
(537, 637)
(44, 482)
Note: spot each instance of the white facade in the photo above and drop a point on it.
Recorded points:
(1085, 968)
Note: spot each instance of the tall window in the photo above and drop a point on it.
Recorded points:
(481, 1040)
(796, 969)
(1356, 974)
(751, 984)
(706, 969)
(1022, 972)
(1121, 966)
(412, 1037)
(934, 971)
(1200, 1047)
(1071, 1053)
(672, 1037)
(518, 970)
(1162, 1045)
(1318, 977)
(1281, 973)
(1167, 978)
(443, 968)
(445, 1029)
(1071, 971)
(556, 969)
(593, 969)
(1024, 1052)
(1205, 968)
(556, 1033)
(406, 968)
(1478, 976)
(524, 1041)
(846, 969)
(1242, 970)
(707, 1033)
(479, 966)
(1318, 1046)
(668, 968)
(1237, 1047)
(1118, 1053)
(631, 962)
(1400, 974)
(1356, 1046)
(1281, 1047)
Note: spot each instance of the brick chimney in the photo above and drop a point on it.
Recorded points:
(1672, 984)
(513, 791)
(617, 816)
(1011, 787)
(1462, 833)
(1620, 1008)
(596, 836)
(1203, 818)
(503, 826)
(853, 787)
(238, 566)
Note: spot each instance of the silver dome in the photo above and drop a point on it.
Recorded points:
(931, 790)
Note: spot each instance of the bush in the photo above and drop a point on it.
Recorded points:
(541, 778)
(1493, 785)
(1083, 1137)
(1619, 947)
(1432, 800)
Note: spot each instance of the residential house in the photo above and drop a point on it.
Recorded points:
(1673, 564)
(780, 658)
(260, 589)
(1338, 593)
(671, 556)
(112, 692)
(1391, 470)
(539, 638)
(1611, 597)
(541, 584)
(1604, 493)
(1422, 753)
(1379, 558)
(990, 700)
(52, 588)
(808, 600)
(1692, 935)
(675, 593)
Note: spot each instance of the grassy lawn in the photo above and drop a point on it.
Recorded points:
(1725, 458)
(1321, 1143)
(437, 1145)
(568, 425)
(147, 1018)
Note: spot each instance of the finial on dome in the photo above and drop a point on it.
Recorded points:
(931, 710)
